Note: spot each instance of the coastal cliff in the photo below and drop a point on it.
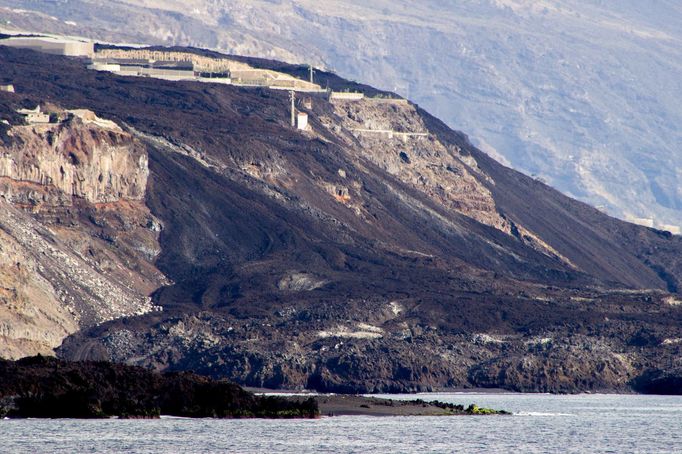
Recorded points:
(81, 157)
(376, 250)
(77, 240)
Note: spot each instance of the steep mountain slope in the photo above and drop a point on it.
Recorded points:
(82, 253)
(577, 92)
(347, 258)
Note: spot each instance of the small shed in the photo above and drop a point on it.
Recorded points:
(35, 116)
(302, 121)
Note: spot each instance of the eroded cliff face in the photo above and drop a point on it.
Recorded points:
(391, 134)
(32, 319)
(84, 157)
(77, 243)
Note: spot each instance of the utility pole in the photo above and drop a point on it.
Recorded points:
(292, 95)
(312, 71)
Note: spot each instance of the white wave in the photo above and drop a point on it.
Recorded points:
(540, 413)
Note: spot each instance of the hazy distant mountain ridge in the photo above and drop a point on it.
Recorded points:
(577, 92)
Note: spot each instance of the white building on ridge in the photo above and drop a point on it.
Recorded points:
(50, 45)
(35, 116)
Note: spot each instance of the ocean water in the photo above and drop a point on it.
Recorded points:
(541, 423)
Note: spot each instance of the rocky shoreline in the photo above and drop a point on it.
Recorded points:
(42, 387)
(353, 405)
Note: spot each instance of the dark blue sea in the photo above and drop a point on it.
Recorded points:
(540, 423)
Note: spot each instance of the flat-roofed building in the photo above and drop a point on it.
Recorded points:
(345, 96)
(104, 66)
(35, 116)
(49, 45)
(127, 70)
(168, 73)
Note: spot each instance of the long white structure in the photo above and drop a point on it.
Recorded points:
(345, 96)
(104, 66)
(49, 45)
(644, 222)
